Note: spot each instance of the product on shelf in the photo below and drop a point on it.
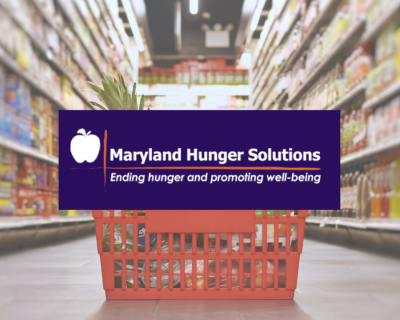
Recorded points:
(337, 82)
(357, 66)
(375, 11)
(362, 128)
(27, 186)
(8, 170)
(50, 49)
(369, 191)
(194, 72)
(211, 102)
(387, 58)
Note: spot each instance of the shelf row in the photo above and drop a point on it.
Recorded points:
(18, 222)
(11, 64)
(25, 150)
(371, 153)
(324, 15)
(192, 90)
(63, 38)
(343, 44)
(372, 224)
(361, 27)
(65, 70)
(48, 56)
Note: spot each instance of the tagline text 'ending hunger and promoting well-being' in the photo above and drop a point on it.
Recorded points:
(215, 178)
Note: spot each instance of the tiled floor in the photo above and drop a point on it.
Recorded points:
(63, 281)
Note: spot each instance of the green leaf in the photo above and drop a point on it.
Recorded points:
(113, 92)
(111, 84)
(122, 81)
(95, 87)
(97, 105)
(133, 103)
(142, 100)
(134, 89)
(110, 102)
(125, 101)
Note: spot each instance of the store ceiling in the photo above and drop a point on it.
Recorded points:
(156, 18)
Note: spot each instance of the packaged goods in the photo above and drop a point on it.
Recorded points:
(15, 92)
(394, 184)
(223, 269)
(194, 72)
(387, 66)
(370, 190)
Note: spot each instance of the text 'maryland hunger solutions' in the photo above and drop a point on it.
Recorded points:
(221, 156)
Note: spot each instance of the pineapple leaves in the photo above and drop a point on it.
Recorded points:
(122, 81)
(95, 87)
(115, 95)
(125, 100)
(97, 105)
(142, 102)
(134, 102)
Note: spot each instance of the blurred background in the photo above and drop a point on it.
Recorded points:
(206, 55)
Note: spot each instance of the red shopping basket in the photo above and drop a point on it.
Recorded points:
(199, 254)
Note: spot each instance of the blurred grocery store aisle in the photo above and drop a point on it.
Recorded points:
(63, 281)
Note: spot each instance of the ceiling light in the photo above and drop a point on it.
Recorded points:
(229, 27)
(178, 26)
(194, 6)
(257, 14)
(206, 15)
(133, 23)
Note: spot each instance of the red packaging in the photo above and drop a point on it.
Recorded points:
(53, 177)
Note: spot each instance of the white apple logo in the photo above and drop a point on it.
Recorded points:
(85, 147)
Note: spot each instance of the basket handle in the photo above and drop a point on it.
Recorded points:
(200, 221)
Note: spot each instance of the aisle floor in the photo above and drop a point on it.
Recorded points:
(63, 281)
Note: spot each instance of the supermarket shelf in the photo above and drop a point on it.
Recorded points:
(39, 44)
(81, 95)
(10, 63)
(92, 34)
(49, 20)
(265, 64)
(281, 97)
(371, 153)
(259, 102)
(343, 102)
(128, 50)
(66, 14)
(381, 97)
(342, 45)
(375, 224)
(193, 90)
(325, 15)
(291, 26)
(374, 31)
(17, 222)
(104, 35)
(264, 49)
(29, 151)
